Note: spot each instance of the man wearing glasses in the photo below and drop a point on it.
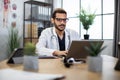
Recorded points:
(56, 40)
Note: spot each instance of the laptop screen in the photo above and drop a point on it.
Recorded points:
(77, 49)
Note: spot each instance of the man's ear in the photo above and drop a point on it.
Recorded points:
(52, 20)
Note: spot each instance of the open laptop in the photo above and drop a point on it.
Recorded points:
(17, 53)
(77, 49)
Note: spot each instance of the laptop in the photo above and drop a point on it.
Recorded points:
(17, 53)
(77, 49)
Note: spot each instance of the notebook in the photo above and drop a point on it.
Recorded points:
(77, 49)
(13, 74)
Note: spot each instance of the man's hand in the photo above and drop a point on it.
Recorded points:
(60, 53)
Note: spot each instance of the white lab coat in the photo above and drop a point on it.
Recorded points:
(48, 41)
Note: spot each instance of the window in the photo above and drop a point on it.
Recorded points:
(103, 25)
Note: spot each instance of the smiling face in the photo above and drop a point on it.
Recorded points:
(60, 21)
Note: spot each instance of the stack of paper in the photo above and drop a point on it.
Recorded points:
(11, 74)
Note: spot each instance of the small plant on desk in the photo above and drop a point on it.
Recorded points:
(30, 57)
(94, 59)
(29, 49)
(95, 49)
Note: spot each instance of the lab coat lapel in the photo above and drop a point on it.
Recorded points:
(67, 40)
(55, 40)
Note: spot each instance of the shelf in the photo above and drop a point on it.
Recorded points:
(36, 18)
(38, 3)
(33, 40)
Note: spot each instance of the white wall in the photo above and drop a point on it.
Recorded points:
(10, 19)
(57, 4)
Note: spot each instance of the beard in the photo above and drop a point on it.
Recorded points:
(60, 27)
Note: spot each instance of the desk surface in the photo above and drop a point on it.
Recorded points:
(75, 72)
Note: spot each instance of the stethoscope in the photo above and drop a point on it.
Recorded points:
(54, 37)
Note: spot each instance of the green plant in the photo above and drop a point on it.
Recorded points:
(13, 39)
(29, 49)
(86, 19)
(95, 49)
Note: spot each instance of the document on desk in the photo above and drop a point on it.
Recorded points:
(11, 74)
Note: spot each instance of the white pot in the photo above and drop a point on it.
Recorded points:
(30, 63)
(95, 63)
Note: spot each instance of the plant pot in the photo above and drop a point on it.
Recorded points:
(86, 36)
(95, 63)
(30, 63)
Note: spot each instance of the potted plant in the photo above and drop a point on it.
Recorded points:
(30, 61)
(94, 59)
(13, 39)
(86, 19)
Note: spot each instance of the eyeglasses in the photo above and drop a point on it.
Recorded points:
(62, 19)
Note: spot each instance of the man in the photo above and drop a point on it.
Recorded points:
(55, 41)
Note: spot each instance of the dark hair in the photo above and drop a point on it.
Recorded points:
(58, 10)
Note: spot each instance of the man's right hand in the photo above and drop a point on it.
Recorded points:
(60, 53)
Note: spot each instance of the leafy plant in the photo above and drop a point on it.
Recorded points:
(29, 49)
(95, 49)
(13, 39)
(86, 19)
